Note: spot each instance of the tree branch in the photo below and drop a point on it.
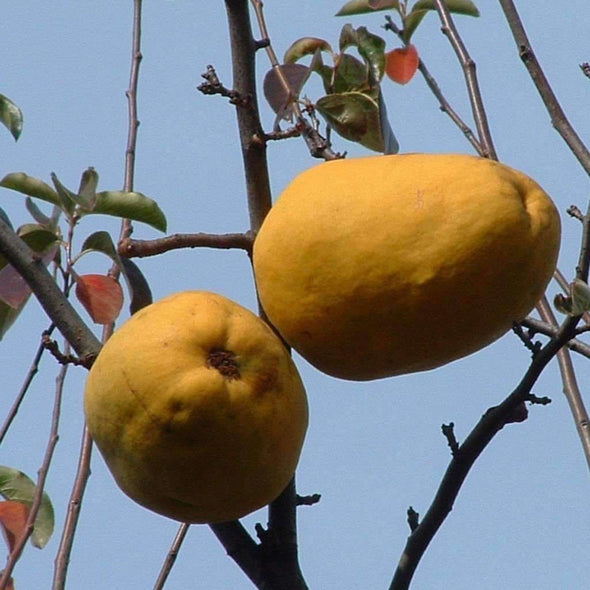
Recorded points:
(465, 456)
(558, 118)
(469, 70)
(445, 106)
(140, 248)
(53, 301)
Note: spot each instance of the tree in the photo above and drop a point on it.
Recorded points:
(426, 119)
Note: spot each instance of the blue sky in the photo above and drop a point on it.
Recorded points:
(522, 519)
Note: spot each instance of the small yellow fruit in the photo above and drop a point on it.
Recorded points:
(197, 409)
(386, 265)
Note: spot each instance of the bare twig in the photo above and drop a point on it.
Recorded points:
(445, 106)
(541, 327)
(130, 248)
(448, 431)
(490, 424)
(570, 385)
(42, 476)
(62, 558)
(83, 471)
(171, 556)
(33, 370)
(308, 500)
(469, 70)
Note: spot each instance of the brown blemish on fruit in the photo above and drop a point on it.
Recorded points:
(225, 362)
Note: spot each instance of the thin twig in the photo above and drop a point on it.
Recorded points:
(570, 385)
(33, 370)
(41, 478)
(171, 556)
(469, 70)
(318, 146)
(541, 327)
(431, 82)
(62, 558)
(130, 248)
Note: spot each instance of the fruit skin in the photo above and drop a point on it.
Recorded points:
(186, 439)
(380, 266)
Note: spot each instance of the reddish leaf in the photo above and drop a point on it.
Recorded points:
(101, 295)
(13, 517)
(401, 64)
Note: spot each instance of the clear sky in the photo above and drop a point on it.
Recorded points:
(522, 520)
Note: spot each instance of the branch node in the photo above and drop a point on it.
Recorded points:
(526, 337)
(307, 500)
(519, 414)
(541, 401)
(413, 519)
(575, 212)
(212, 85)
(448, 431)
(261, 43)
(63, 359)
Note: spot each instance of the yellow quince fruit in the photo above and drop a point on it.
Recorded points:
(386, 265)
(197, 409)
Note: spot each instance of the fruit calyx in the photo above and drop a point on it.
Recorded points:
(225, 362)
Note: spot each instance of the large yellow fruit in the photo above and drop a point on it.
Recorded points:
(197, 409)
(386, 265)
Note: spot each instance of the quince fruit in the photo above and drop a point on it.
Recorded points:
(380, 266)
(197, 409)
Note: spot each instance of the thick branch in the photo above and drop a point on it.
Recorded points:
(55, 304)
(243, 50)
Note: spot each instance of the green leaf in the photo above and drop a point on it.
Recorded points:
(68, 198)
(36, 213)
(366, 6)
(457, 6)
(371, 48)
(350, 74)
(305, 46)
(4, 217)
(8, 316)
(36, 237)
(130, 205)
(411, 22)
(355, 116)
(14, 291)
(27, 185)
(100, 241)
(422, 7)
(11, 116)
(88, 184)
(15, 485)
